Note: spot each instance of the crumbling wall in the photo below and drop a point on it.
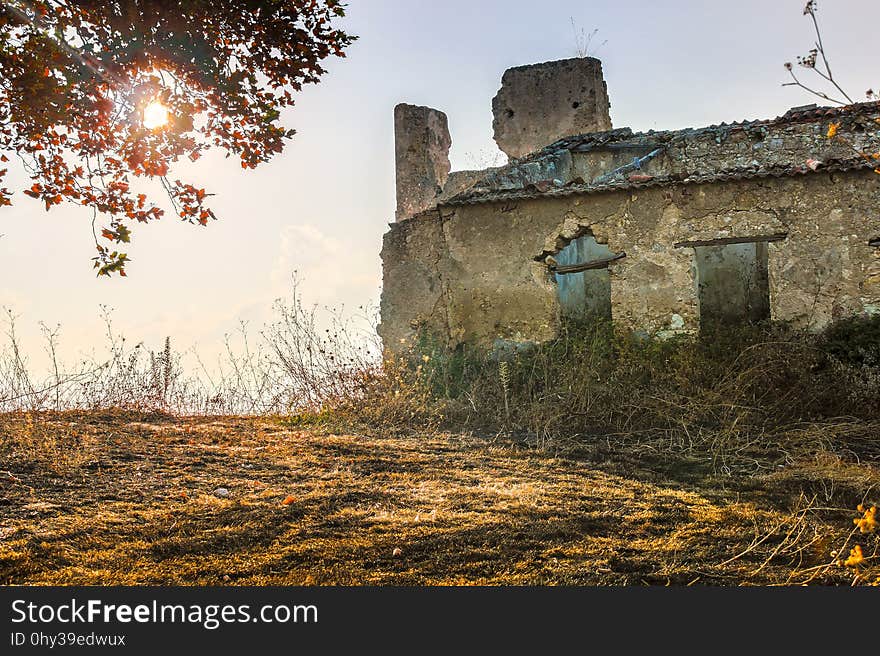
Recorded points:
(826, 269)
(475, 272)
(414, 263)
(774, 146)
(421, 149)
(707, 150)
(541, 103)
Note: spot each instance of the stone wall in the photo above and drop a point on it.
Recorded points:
(474, 272)
(691, 152)
(536, 106)
(421, 150)
(541, 103)
(708, 150)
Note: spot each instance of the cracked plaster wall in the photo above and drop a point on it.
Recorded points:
(470, 273)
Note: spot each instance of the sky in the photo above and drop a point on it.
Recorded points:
(320, 208)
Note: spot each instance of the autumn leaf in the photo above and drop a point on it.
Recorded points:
(289, 499)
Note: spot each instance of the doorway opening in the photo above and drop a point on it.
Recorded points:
(583, 281)
(732, 283)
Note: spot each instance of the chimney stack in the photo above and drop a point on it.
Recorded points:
(421, 149)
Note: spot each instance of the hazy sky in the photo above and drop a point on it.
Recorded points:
(322, 206)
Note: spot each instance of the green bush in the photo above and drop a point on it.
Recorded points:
(854, 341)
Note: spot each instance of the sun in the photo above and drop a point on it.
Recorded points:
(155, 115)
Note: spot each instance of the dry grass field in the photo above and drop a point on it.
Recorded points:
(123, 498)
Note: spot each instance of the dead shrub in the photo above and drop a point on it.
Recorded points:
(742, 397)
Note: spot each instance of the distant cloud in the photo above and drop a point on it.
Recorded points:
(331, 270)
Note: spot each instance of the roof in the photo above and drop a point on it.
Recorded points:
(518, 179)
(538, 190)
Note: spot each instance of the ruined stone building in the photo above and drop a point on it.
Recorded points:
(662, 232)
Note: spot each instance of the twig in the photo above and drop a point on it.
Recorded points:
(821, 48)
(9, 476)
(755, 543)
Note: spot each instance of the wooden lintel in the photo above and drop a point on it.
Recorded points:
(724, 241)
(586, 266)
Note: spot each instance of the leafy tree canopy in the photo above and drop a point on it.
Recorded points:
(95, 93)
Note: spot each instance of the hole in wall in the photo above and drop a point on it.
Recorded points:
(509, 113)
(575, 105)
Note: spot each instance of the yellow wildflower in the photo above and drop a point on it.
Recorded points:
(855, 557)
(868, 522)
(832, 129)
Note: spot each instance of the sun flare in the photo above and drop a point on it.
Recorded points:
(155, 115)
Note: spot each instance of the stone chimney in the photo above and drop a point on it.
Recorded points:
(542, 103)
(421, 149)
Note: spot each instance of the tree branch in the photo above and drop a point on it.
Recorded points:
(821, 48)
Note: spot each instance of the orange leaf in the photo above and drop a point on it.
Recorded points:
(289, 499)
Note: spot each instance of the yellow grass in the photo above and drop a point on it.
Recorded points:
(115, 498)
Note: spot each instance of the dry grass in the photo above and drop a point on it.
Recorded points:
(133, 503)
